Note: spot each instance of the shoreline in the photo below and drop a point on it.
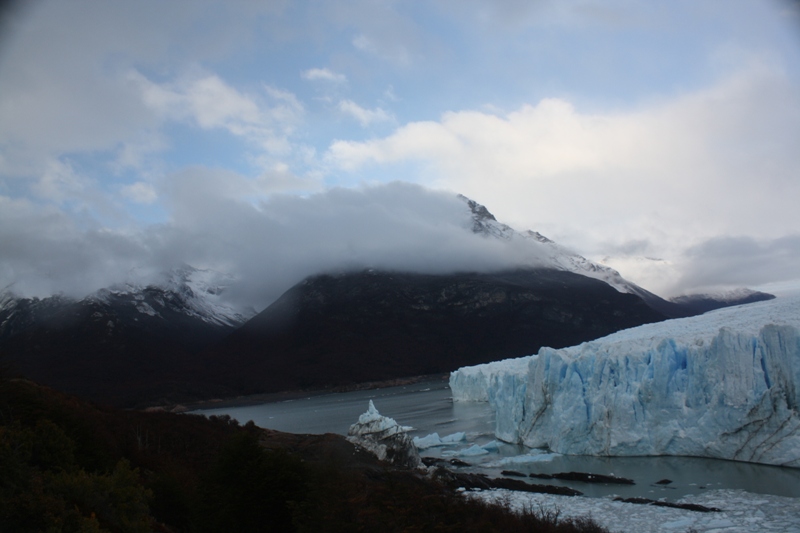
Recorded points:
(275, 397)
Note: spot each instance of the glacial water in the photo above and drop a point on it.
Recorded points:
(428, 408)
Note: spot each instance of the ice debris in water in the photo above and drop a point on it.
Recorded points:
(474, 450)
(434, 440)
(741, 511)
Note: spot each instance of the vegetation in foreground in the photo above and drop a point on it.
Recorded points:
(66, 465)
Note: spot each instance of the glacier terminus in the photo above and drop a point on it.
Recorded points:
(723, 385)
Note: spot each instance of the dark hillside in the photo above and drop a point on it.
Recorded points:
(118, 350)
(67, 465)
(697, 304)
(343, 329)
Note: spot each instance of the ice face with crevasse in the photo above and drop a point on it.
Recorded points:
(723, 385)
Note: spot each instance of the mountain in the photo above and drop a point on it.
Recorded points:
(371, 325)
(175, 339)
(376, 325)
(118, 344)
(696, 304)
(561, 258)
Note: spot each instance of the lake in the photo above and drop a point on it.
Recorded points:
(428, 408)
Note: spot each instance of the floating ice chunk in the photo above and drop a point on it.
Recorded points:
(472, 451)
(536, 456)
(491, 446)
(454, 438)
(428, 441)
(433, 440)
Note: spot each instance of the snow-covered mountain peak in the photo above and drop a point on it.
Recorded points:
(559, 257)
(730, 295)
(7, 299)
(485, 223)
(538, 236)
(188, 290)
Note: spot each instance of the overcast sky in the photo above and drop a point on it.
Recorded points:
(266, 138)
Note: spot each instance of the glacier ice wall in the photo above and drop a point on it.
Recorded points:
(723, 385)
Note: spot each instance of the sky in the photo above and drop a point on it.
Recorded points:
(277, 139)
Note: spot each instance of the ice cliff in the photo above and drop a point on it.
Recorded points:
(725, 385)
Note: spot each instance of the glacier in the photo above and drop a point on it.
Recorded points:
(722, 385)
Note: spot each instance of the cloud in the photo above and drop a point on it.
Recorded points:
(269, 245)
(45, 251)
(66, 89)
(62, 75)
(364, 116)
(673, 172)
(219, 220)
(207, 101)
(116, 98)
(140, 192)
(276, 243)
(323, 74)
(740, 261)
(387, 31)
(395, 52)
(59, 182)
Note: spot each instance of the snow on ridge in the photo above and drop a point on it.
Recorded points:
(199, 294)
(724, 384)
(558, 257)
(203, 290)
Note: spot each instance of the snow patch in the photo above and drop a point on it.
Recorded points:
(145, 308)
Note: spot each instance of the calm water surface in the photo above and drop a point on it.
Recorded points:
(428, 408)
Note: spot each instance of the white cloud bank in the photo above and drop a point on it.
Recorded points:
(95, 110)
(324, 74)
(364, 116)
(269, 245)
(265, 118)
(668, 176)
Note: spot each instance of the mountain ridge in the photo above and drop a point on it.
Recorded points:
(164, 340)
(333, 330)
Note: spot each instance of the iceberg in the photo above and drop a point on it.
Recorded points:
(723, 385)
(434, 440)
(385, 438)
(473, 451)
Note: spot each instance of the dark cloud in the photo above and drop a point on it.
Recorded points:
(45, 251)
(741, 261)
(630, 247)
